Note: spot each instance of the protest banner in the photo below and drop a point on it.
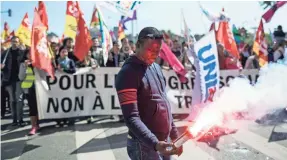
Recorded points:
(92, 92)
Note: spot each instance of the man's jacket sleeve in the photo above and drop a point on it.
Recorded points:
(127, 84)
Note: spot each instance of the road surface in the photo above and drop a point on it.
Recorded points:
(106, 138)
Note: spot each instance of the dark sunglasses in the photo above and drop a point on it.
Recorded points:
(153, 37)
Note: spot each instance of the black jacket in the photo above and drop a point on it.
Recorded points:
(144, 103)
(7, 70)
(121, 58)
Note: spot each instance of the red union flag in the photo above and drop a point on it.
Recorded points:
(39, 47)
(83, 39)
(260, 45)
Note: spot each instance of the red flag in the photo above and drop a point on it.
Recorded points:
(43, 13)
(40, 54)
(225, 36)
(269, 14)
(83, 39)
(167, 55)
(260, 45)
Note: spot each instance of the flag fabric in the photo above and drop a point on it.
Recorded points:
(225, 37)
(95, 21)
(267, 16)
(39, 46)
(207, 57)
(83, 39)
(127, 19)
(7, 42)
(43, 13)
(106, 38)
(121, 32)
(72, 16)
(236, 34)
(167, 55)
(260, 45)
(186, 33)
(212, 26)
(125, 8)
(113, 35)
(6, 32)
(221, 17)
(24, 31)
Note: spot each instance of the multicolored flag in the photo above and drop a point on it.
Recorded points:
(121, 31)
(221, 17)
(24, 31)
(260, 45)
(106, 38)
(7, 42)
(125, 19)
(83, 39)
(40, 54)
(72, 17)
(267, 16)
(125, 8)
(225, 37)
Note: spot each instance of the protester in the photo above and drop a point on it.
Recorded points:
(252, 62)
(279, 34)
(226, 61)
(126, 48)
(27, 78)
(4, 93)
(176, 49)
(54, 52)
(89, 61)
(245, 54)
(65, 64)
(68, 43)
(10, 69)
(133, 47)
(149, 120)
(116, 58)
(97, 52)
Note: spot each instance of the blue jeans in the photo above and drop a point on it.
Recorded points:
(138, 151)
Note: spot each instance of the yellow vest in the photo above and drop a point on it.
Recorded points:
(29, 79)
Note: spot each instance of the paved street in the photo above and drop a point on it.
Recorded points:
(106, 138)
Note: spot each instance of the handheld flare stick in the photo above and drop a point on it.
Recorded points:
(187, 135)
(183, 138)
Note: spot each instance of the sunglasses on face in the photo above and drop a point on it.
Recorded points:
(153, 37)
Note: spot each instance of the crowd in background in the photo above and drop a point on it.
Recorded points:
(15, 65)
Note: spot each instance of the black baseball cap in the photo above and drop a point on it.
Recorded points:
(150, 32)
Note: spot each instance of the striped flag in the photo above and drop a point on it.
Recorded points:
(98, 22)
(260, 45)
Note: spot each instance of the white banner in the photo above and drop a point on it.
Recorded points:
(207, 59)
(92, 92)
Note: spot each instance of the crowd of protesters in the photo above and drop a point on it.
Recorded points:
(17, 73)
